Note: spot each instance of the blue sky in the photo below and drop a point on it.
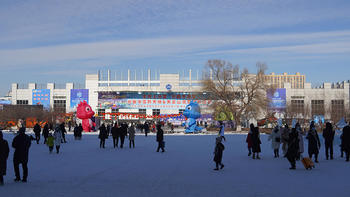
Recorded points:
(62, 40)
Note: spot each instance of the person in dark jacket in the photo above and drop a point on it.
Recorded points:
(115, 134)
(75, 132)
(21, 143)
(249, 139)
(63, 130)
(218, 152)
(108, 129)
(346, 141)
(37, 131)
(46, 132)
(4, 154)
(123, 133)
(102, 135)
(256, 143)
(146, 128)
(328, 135)
(314, 142)
(160, 138)
(293, 148)
(80, 131)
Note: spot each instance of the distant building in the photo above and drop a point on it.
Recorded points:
(297, 81)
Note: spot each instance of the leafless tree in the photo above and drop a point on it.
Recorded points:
(235, 92)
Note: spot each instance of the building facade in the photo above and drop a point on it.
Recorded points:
(296, 81)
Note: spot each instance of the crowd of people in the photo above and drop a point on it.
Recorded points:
(292, 141)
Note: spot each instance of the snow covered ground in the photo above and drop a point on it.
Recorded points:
(185, 169)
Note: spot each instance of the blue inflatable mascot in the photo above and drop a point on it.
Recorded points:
(192, 112)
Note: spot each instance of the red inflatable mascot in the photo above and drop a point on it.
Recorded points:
(85, 113)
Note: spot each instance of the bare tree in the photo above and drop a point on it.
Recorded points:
(235, 92)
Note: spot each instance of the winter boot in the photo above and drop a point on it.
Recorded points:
(222, 166)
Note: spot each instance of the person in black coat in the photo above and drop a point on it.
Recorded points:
(256, 143)
(123, 133)
(102, 135)
(75, 132)
(21, 143)
(108, 129)
(4, 154)
(314, 142)
(218, 152)
(346, 141)
(328, 135)
(293, 148)
(80, 131)
(63, 132)
(115, 134)
(146, 128)
(37, 131)
(46, 132)
(160, 138)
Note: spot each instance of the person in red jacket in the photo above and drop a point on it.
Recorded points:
(249, 139)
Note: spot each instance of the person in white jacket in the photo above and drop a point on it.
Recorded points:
(275, 138)
(58, 138)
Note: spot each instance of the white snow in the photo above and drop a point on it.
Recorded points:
(185, 169)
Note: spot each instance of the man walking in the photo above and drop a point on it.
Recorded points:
(21, 143)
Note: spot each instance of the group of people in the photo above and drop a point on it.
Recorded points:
(293, 142)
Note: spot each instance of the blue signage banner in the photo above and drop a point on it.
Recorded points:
(78, 95)
(277, 98)
(41, 97)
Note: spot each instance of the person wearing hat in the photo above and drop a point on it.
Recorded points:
(218, 152)
(4, 154)
(21, 143)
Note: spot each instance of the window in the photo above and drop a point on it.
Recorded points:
(297, 106)
(317, 107)
(22, 102)
(100, 112)
(155, 112)
(337, 111)
(142, 111)
(59, 106)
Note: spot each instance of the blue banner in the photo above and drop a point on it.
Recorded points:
(277, 99)
(41, 97)
(78, 95)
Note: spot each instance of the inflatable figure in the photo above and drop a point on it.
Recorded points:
(192, 112)
(85, 113)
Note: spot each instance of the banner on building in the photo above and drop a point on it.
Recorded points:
(277, 99)
(78, 95)
(41, 97)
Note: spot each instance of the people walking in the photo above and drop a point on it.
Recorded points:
(275, 138)
(131, 132)
(301, 141)
(21, 143)
(46, 132)
(285, 139)
(346, 141)
(63, 132)
(102, 135)
(293, 148)
(50, 142)
(115, 134)
(256, 143)
(123, 133)
(314, 142)
(37, 131)
(4, 154)
(160, 138)
(328, 135)
(249, 139)
(218, 153)
(58, 138)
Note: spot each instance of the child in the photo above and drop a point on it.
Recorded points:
(219, 148)
(50, 142)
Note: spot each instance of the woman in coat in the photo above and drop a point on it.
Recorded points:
(58, 138)
(256, 143)
(314, 142)
(301, 140)
(328, 135)
(4, 154)
(293, 148)
(46, 132)
(160, 138)
(218, 152)
(346, 141)
(131, 132)
(275, 138)
(102, 135)
(284, 139)
(249, 139)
